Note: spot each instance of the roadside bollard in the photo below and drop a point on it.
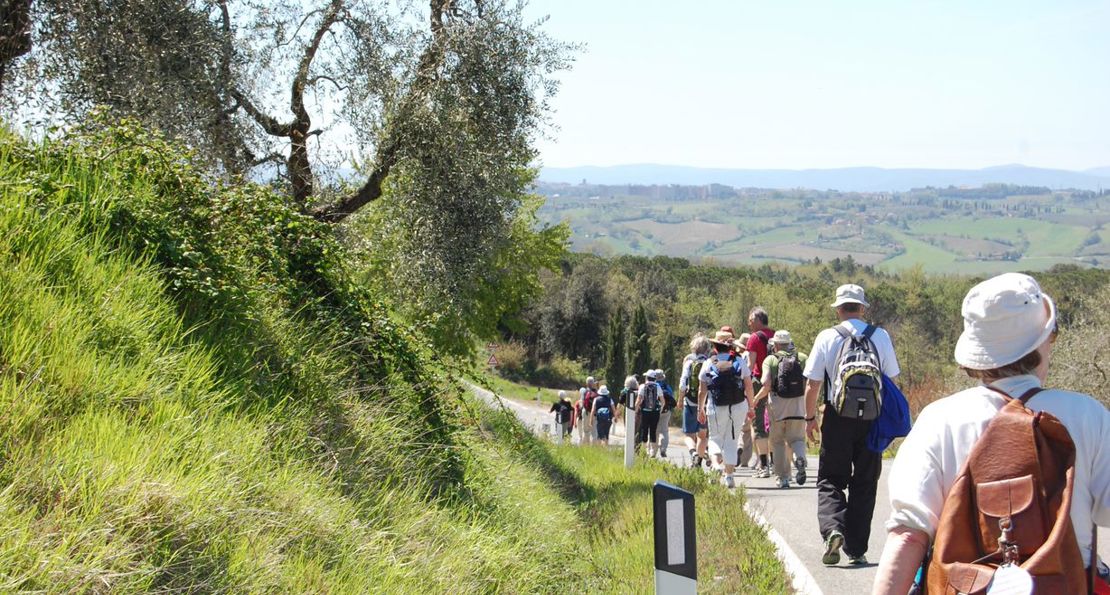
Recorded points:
(676, 554)
(629, 438)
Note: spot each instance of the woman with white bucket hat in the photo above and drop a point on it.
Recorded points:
(1007, 342)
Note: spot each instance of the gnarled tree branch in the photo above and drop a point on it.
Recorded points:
(15, 32)
(389, 150)
(301, 80)
(267, 122)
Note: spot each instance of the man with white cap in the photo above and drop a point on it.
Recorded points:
(784, 386)
(846, 463)
(1006, 344)
(724, 397)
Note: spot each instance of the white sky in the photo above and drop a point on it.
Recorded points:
(822, 83)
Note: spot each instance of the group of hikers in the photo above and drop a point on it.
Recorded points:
(592, 415)
(1002, 484)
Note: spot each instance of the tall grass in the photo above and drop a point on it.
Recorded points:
(195, 397)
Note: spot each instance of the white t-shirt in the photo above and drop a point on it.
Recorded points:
(822, 359)
(932, 456)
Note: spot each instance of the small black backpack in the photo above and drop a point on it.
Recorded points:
(789, 383)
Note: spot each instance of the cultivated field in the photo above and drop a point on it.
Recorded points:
(942, 230)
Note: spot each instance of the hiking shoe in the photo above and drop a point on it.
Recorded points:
(800, 476)
(728, 481)
(784, 482)
(663, 454)
(833, 543)
(859, 560)
(762, 472)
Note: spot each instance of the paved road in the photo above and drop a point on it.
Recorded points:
(791, 513)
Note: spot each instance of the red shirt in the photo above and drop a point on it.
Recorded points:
(758, 348)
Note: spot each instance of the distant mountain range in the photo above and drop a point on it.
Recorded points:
(848, 179)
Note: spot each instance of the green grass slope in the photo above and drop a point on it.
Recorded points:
(195, 397)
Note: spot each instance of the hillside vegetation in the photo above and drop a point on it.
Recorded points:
(196, 397)
(650, 307)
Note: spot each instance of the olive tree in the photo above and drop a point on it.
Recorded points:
(456, 90)
(428, 111)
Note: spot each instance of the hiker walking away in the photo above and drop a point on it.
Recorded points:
(580, 412)
(758, 345)
(697, 435)
(589, 431)
(848, 360)
(724, 396)
(746, 449)
(974, 461)
(564, 412)
(627, 397)
(669, 405)
(604, 411)
(785, 386)
(649, 402)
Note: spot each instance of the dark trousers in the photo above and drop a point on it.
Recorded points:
(603, 426)
(649, 420)
(847, 464)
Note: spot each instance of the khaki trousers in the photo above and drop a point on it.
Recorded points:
(789, 433)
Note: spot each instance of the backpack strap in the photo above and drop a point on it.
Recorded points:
(1024, 398)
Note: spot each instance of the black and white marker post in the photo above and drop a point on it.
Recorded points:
(676, 558)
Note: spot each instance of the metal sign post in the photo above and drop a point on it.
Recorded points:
(676, 554)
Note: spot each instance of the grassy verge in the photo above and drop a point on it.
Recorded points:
(614, 517)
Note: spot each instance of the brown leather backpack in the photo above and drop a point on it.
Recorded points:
(1018, 477)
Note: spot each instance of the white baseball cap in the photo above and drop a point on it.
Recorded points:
(850, 294)
(1005, 318)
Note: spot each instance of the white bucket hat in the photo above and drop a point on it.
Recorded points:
(603, 391)
(1005, 318)
(782, 338)
(850, 294)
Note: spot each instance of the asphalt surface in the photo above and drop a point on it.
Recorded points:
(791, 513)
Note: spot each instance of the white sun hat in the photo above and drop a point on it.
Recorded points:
(603, 391)
(1005, 318)
(782, 338)
(850, 294)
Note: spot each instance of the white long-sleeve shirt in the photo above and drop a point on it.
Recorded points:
(941, 440)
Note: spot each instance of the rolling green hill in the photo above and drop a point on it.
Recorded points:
(985, 230)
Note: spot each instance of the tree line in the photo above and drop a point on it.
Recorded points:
(616, 316)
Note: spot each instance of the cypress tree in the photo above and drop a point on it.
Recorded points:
(667, 361)
(616, 362)
(639, 352)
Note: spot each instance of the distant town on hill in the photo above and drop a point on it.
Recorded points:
(850, 179)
